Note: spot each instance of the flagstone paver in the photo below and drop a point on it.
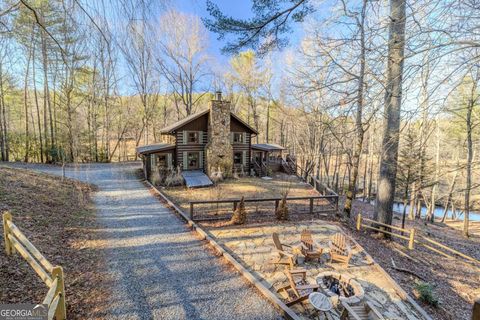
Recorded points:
(253, 246)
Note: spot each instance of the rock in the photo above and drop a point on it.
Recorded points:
(378, 296)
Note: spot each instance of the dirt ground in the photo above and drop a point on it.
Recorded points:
(58, 218)
(474, 226)
(456, 281)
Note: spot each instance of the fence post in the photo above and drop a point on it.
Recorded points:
(311, 205)
(61, 312)
(276, 205)
(359, 221)
(191, 211)
(412, 239)
(476, 309)
(7, 216)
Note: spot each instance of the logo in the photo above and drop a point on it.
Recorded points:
(23, 311)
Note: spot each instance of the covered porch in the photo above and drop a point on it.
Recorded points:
(269, 157)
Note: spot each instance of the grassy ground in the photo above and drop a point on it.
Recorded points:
(250, 188)
(58, 218)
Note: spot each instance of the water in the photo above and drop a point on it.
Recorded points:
(438, 212)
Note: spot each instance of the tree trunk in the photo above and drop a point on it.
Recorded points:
(413, 199)
(3, 120)
(431, 212)
(46, 98)
(393, 101)
(449, 197)
(468, 169)
(37, 105)
(359, 132)
(25, 103)
(268, 123)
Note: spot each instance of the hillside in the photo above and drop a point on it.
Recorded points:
(58, 218)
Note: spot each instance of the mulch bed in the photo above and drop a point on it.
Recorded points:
(57, 216)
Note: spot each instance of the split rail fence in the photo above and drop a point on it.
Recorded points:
(317, 185)
(223, 208)
(52, 276)
(412, 238)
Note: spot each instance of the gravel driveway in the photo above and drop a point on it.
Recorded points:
(161, 270)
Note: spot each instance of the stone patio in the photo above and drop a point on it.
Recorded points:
(252, 245)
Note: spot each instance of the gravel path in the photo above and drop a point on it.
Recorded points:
(161, 270)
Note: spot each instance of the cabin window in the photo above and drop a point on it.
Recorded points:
(238, 158)
(162, 160)
(193, 137)
(193, 160)
(238, 137)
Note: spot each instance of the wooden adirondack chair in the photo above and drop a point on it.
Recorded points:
(363, 311)
(340, 251)
(297, 289)
(286, 258)
(310, 249)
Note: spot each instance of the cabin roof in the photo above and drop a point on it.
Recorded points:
(152, 148)
(171, 128)
(177, 125)
(267, 147)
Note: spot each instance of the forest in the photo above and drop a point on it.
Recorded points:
(369, 95)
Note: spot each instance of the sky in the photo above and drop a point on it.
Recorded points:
(238, 9)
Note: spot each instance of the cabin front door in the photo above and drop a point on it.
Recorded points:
(193, 160)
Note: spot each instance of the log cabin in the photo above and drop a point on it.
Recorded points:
(210, 141)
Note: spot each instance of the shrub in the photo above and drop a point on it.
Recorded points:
(174, 178)
(235, 174)
(155, 177)
(424, 291)
(282, 211)
(239, 215)
(217, 176)
(242, 171)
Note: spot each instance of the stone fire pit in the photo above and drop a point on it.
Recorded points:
(340, 287)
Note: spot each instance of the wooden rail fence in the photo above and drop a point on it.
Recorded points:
(317, 185)
(276, 200)
(410, 232)
(476, 310)
(52, 276)
(413, 238)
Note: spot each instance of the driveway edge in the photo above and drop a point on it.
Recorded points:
(277, 303)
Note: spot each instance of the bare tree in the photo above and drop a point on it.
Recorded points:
(181, 57)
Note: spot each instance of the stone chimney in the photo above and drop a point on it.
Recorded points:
(219, 151)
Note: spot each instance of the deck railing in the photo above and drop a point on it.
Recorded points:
(52, 276)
